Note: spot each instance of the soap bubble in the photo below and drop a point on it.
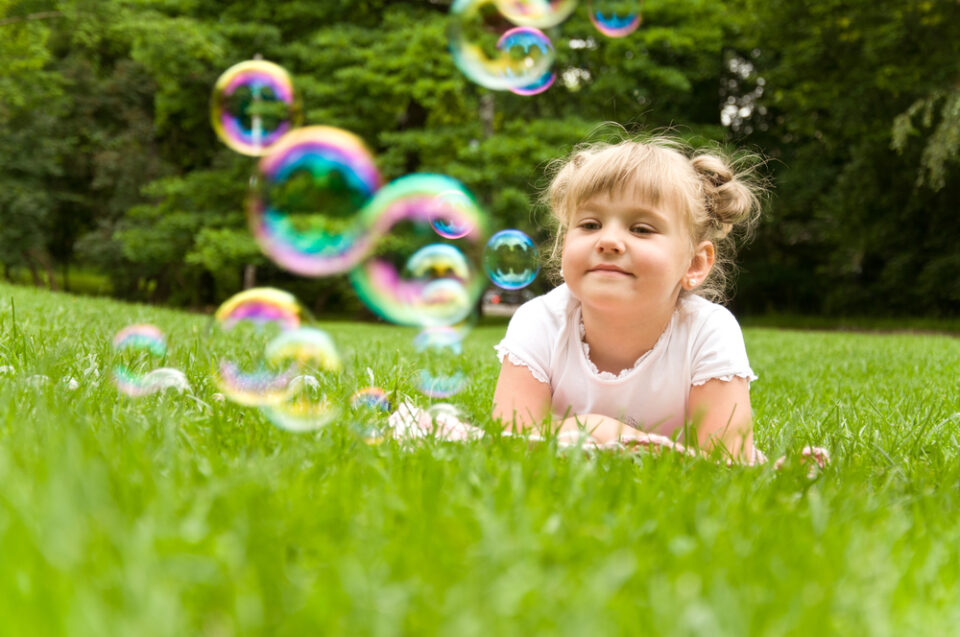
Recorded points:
(245, 323)
(372, 398)
(412, 278)
(306, 198)
(314, 357)
(615, 18)
(542, 14)
(524, 38)
(368, 405)
(135, 346)
(444, 226)
(475, 33)
(511, 260)
(440, 351)
(253, 106)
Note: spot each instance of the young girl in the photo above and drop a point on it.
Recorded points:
(633, 347)
(633, 342)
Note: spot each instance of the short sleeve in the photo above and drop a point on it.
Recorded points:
(719, 350)
(529, 339)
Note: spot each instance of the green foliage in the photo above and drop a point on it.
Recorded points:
(943, 145)
(125, 173)
(824, 83)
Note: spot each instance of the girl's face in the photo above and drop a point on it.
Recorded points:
(622, 255)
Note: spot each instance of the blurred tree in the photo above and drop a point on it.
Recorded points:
(819, 85)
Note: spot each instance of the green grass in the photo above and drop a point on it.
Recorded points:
(174, 516)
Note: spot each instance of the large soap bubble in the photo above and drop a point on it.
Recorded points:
(244, 325)
(475, 34)
(416, 276)
(615, 18)
(536, 13)
(306, 197)
(253, 106)
(511, 260)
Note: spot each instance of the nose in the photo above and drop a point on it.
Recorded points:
(610, 240)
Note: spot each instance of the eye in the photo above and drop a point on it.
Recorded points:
(589, 225)
(642, 230)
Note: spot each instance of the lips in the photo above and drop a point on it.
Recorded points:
(609, 269)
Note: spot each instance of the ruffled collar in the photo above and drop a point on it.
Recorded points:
(623, 372)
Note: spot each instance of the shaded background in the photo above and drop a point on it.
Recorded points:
(112, 180)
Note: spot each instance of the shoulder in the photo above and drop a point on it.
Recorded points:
(715, 342)
(536, 330)
(703, 316)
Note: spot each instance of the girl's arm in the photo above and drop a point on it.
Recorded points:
(522, 404)
(721, 416)
(520, 401)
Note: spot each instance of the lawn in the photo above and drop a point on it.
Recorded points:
(177, 514)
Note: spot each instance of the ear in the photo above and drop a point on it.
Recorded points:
(701, 263)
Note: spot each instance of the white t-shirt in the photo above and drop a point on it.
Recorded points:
(702, 341)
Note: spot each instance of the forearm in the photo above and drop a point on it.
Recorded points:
(735, 444)
(603, 428)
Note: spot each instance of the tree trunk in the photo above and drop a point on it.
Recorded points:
(249, 276)
(487, 113)
(46, 263)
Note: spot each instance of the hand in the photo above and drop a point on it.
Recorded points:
(411, 422)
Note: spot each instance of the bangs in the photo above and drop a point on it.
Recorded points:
(648, 174)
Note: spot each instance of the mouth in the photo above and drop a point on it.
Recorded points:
(609, 269)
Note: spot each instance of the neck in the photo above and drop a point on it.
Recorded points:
(616, 340)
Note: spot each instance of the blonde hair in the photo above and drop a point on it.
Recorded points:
(718, 195)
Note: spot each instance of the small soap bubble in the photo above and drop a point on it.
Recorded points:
(615, 18)
(253, 106)
(439, 219)
(536, 13)
(306, 198)
(475, 31)
(511, 260)
(411, 277)
(243, 325)
(136, 347)
(371, 398)
(368, 405)
(314, 357)
(523, 38)
(441, 374)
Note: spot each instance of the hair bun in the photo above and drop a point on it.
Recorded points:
(728, 198)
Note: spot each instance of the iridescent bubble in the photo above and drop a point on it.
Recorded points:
(411, 278)
(536, 13)
(440, 351)
(245, 323)
(444, 226)
(368, 405)
(511, 260)
(314, 357)
(615, 18)
(371, 398)
(537, 87)
(253, 106)
(306, 198)
(475, 31)
(135, 346)
(261, 306)
(525, 38)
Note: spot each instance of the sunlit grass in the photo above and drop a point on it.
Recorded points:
(174, 515)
